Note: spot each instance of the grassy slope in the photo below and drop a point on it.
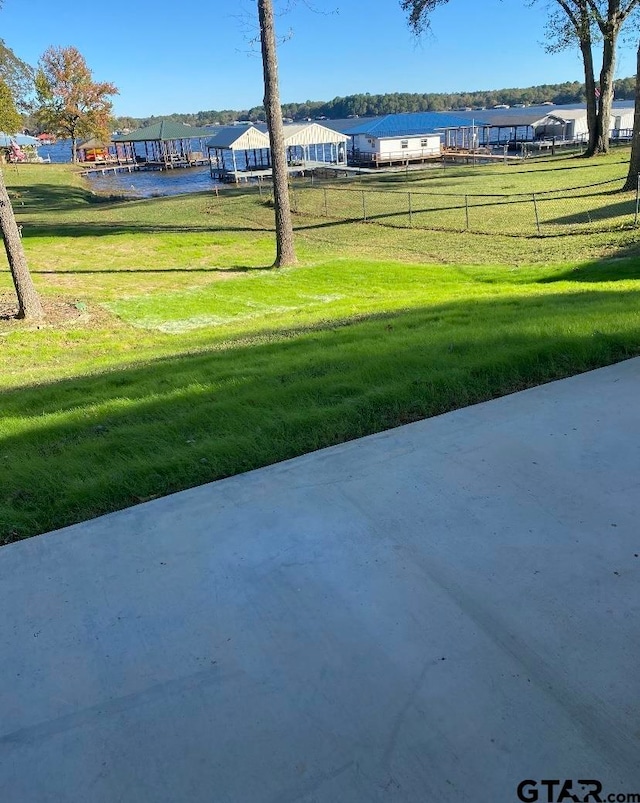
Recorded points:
(194, 362)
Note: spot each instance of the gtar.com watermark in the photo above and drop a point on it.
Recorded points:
(567, 790)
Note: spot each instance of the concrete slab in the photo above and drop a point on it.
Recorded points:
(435, 613)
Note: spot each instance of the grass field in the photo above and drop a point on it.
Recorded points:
(176, 356)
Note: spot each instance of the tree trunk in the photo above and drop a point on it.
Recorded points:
(590, 89)
(28, 301)
(601, 144)
(285, 252)
(634, 163)
(74, 150)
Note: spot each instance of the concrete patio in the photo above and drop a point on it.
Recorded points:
(435, 613)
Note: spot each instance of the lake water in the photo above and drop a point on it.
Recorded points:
(60, 152)
(140, 183)
(148, 183)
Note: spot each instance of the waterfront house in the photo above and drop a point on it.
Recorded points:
(398, 138)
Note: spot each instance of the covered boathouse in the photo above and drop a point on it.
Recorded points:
(237, 153)
(234, 149)
(98, 151)
(166, 145)
(541, 126)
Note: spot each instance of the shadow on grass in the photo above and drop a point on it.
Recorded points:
(75, 449)
(620, 209)
(51, 197)
(575, 161)
(143, 271)
(56, 197)
(620, 269)
(572, 162)
(101, 229)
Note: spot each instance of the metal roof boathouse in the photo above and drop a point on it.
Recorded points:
(166, 145)
(314, 143)
(240, 153)
(105, 153)
(535, 126)
(234, 148)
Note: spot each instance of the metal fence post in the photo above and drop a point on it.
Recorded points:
(326, 208)
(466, 209)
(635, 222)
(535, 209)
(410, 210)
(364, 207)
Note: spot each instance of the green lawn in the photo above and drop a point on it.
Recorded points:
(186, 359)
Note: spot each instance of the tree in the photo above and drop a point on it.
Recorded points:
(573, 20)
(16, 75)
(569, 24)
(28, 301)
(633, 176)
(11, 121)
(609, 16)
(69, 102)
(285, 251)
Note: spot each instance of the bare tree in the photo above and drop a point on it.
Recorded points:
(568, 25)
(575, 19)
(285, 251)
(28, 301)
(633, 176)
(609, 16)
(14, 81)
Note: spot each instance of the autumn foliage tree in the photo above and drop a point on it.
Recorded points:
(69, 102)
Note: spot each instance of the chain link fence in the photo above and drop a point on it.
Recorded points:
(596, 207)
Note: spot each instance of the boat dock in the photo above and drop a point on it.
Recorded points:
(105, 168)
(130, 166)
(317, 168)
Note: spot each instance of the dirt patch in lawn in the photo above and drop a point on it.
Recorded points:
(58, 313)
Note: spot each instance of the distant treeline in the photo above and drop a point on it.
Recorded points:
(372, 105)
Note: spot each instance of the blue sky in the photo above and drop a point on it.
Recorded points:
(164, 60)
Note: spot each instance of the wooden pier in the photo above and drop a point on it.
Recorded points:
(104, 168)
(238, 176)
(477, 156)
(129, 167)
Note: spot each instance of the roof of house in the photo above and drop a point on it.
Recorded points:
(311, 134)
(163, 132)
(405, 124)
(531, 115)
(408, 123)
(17, 139)
(235, 137)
